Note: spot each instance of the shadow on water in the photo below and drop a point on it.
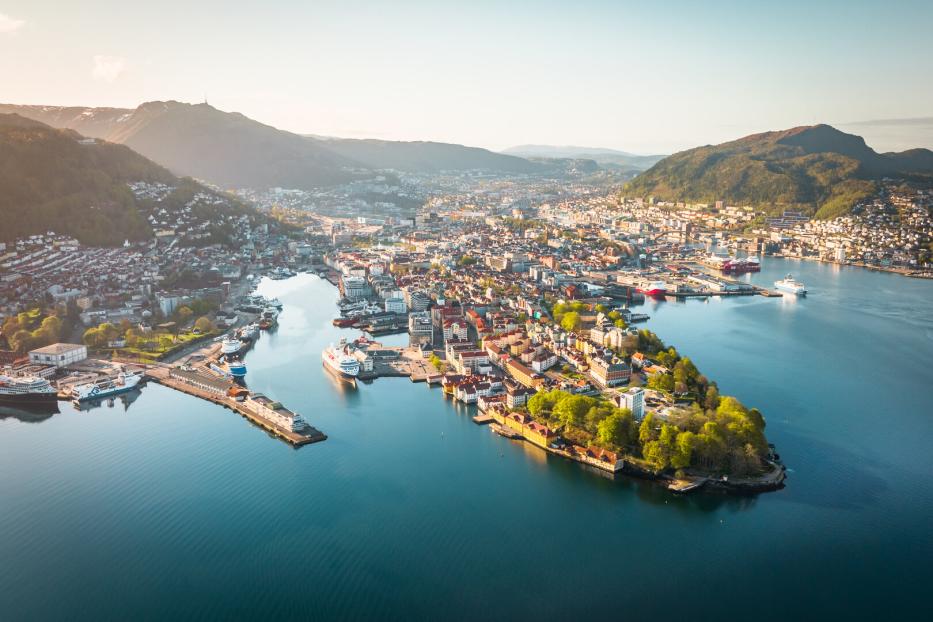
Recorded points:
(598, 481)
(29, 413)
(123, 399)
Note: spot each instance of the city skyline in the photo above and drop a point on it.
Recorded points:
(599, 75)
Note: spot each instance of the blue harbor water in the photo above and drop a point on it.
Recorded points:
(161, 506)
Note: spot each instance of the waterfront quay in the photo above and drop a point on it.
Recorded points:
(195, 375)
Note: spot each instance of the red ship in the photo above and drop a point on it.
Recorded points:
(738, 266)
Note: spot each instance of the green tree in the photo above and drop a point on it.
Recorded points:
(570, 321)
(616, 430)
(92, 337)
(683, 454)
(108, 332)
(21, 341)
(571, 410)
(49, 331)
(661, 382)
(646, 431)
(203, 324)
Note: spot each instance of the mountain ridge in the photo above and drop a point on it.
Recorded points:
(230, 149)
(56, 179)
(600, 155)
(816, 168)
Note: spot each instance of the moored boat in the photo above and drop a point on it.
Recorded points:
(26, 390)
(106, 387)
(652, 288)
(230, 345)
(791, 286)
(339, 361)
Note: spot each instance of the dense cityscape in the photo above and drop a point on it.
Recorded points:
(465, 311)
(521, 292)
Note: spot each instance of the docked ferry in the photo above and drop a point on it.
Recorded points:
(652, 288)
(233, 368)
(230, 345)
(26, 390)
(340, 362)
(105, 387)
(791, 286)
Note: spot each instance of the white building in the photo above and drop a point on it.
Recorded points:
(634, 400)
(396, 305)
(355, 287)
(455, 329)
(275, 413)
(58, 354)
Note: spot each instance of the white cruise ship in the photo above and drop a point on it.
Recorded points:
(791, 286)
(340, 362)
(105, 387)
(230, 345)
(26, 390)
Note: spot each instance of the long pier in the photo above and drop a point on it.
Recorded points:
(296, 439)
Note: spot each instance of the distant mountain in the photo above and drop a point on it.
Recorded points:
(197, 140)
(428, 157)
(611, 157)
(814, 168)
(52, 179)
(231, 150)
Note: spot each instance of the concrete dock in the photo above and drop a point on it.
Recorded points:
(296, 439)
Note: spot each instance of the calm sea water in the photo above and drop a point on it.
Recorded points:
(167, 507)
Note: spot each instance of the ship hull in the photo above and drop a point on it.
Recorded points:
(656, 293)
(339, 375)
(105, 394)
(29, 398)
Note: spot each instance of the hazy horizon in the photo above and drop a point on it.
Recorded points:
(602, 75)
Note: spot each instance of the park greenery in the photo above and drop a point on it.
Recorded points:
(153, 343)
(728, 438)
(31, 329)
(700, 430)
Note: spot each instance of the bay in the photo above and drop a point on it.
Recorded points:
(167, 507)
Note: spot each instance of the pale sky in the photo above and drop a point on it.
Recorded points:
(646, 77)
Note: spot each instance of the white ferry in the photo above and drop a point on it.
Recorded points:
(26, 390)
(230, 345)
(105, 387)
(791, 286)
(340, 362)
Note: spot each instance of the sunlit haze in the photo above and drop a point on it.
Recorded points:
(633, 76)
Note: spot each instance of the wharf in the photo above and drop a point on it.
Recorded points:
(296, 439)
(683, 486)
(501, 430)
(402, 363)
(483, 419)
(208, 385)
